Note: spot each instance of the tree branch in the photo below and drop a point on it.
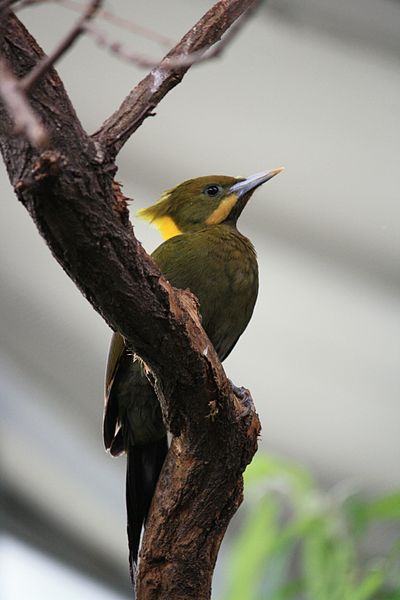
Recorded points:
(69, 194)
(142, 100)
(122, 23)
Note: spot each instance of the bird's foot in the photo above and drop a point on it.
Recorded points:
(245, 399)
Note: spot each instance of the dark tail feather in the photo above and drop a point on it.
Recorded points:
(143, 468)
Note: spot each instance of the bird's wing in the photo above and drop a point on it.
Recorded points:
(110, 423)
(117, 347)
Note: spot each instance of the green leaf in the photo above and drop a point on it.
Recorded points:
(386, 507)
(265, 467)
(327, 562)
(366, 590)
(288, 521)
(252, 550)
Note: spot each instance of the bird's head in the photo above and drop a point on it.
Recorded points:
(203, 201)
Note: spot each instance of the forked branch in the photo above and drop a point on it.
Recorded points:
(69, 192)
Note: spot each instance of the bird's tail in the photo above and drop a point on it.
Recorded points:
(144, 464)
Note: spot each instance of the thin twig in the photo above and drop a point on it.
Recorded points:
(5, 4)
(122, 23)
(102, 13)
(184, 60)
(20, 3)
(27, 83)
(19, 109)
(118, 48)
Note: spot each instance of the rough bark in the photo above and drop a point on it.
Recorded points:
(69, 193)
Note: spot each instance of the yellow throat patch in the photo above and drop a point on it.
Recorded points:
(223, 210)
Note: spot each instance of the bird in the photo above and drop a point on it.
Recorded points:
(204, 252)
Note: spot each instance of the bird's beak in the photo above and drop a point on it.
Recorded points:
(254, 181)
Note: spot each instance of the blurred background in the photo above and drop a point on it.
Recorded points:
(312, 85)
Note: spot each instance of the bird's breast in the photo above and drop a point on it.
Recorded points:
(219, 266)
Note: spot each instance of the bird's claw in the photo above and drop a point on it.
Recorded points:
(245, 399)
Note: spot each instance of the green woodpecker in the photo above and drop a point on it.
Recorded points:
(204, 252)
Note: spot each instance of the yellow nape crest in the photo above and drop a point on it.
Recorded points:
(166, 226)
(164, 223)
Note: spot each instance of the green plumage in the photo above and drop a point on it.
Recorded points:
(218, 264)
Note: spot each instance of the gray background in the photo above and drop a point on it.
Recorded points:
(309, 84)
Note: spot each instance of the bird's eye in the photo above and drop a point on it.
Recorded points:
(212, 190)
